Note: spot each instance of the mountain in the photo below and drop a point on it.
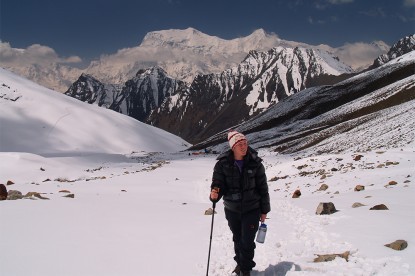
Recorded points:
(218, 101)
(38, 120)
(208, 104)
(403, 46)
(370, 111)
(136, 98)
(183, 54)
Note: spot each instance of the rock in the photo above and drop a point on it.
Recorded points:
(398, 245)
(323, 187)
(9, 182)
(13, 195)
(3, 192)
(64, 191)
(331, 257)
(357, 204)
(379, 207)
(35, 194)
(357, 157)
(325, 208)
(69, 196)
(392, 182)
(297, 194)
(209, 212)
(359, 188)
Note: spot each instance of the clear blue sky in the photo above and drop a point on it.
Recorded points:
(90, 28)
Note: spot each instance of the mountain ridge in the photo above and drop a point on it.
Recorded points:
(180, 63)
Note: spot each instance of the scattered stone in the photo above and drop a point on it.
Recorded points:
(275, 178)
(331, 257)
(357, 157)
(69, 196)
(47, 180)
(398, 245)
(379, 207)
(9, 182)
(407, 181)
(13, 195)
(323, 187)
(359, 188)
(325, 208)
(392, 182)
(297, 194)
(123, 190)
(302, 167)
(42, 169)
(34, 194)
(3, 192)
(357, 204)
(209, 212)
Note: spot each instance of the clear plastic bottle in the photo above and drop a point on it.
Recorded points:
(262, 231)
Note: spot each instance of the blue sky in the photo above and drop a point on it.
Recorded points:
(90, 28)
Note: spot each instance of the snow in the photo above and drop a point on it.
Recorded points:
(139, 200)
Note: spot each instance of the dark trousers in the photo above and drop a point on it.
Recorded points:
(244, 227)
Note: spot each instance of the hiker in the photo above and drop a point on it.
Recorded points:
(239, 178)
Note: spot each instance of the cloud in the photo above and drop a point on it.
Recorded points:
(359, 55)
(409, 3)
(378, 12)
(322, 4)
(339, 2)
(35, 54)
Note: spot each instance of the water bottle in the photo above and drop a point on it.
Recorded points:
(262, 231)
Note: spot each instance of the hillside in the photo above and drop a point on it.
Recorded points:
(373, 108)
(35, 118)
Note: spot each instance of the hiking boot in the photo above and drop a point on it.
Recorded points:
(245, 273)
(237, 270)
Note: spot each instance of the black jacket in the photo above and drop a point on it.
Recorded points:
(242, 191)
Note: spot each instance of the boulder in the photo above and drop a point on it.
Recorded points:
(398, 245)
(331, 257)
(14, 194)
(359, 188)
(209, 212)
(379, 207)
(357, 204)
(325, 208)
(323, 187)
(297, 194)
(3, 192)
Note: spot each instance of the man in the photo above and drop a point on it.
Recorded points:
(239, 178)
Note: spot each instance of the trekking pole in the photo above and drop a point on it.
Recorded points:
(211, 231)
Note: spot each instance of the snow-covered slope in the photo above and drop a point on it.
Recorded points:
(34, 118)
(373, 108)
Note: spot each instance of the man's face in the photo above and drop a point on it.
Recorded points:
(241, 148)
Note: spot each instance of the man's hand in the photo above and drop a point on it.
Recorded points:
(263, 217)
(214, 194)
